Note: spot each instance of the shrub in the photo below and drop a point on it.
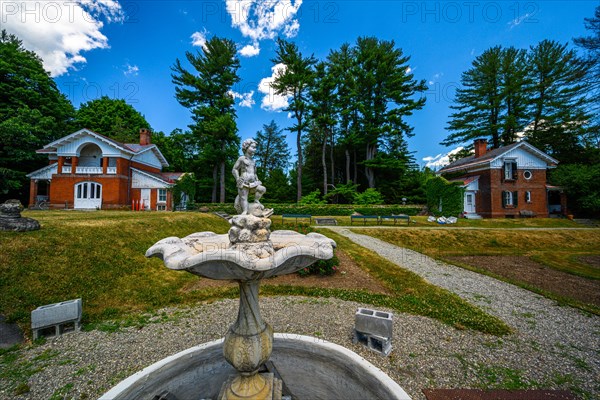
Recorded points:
(312, 198)
(368, 197)
(321, 267)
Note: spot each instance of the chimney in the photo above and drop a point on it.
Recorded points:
(480, 147)
(145, 136)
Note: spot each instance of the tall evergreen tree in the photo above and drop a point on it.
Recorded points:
(341, 64)
(295, 81)
(515, 91)
(33, 113)
(591, 44)
(272, 151)
(385, 88)
(111, 117)
(479, 101)
(559, 105)
(207, 94)
(322, 114)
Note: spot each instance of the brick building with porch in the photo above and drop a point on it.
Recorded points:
(88, 170)
(509, 181)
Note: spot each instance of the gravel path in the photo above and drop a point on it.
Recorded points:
(553, 347)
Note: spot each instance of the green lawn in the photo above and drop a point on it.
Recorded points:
(99, 256)
(560, 249)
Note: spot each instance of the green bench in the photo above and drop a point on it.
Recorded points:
(296, 217)
(364, 218)
(395, 218)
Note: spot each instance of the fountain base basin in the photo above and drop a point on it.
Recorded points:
(310, 368)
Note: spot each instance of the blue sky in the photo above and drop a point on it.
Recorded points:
(124, 49)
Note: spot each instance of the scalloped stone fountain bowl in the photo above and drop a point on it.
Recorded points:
(311, 368)
(230, 368)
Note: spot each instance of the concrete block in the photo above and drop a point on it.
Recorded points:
(373, 322)
(56, 316)
(375, 343)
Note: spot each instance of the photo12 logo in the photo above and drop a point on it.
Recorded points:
(469, 11)
(88, 91)
(61, 11)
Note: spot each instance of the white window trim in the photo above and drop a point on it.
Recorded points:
(528, 197)
(509, 201)
(158, 196)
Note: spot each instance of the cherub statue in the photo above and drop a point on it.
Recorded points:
(244, 172)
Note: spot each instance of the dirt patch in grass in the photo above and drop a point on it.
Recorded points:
(349, 276)
(523, 269)
(593, 261)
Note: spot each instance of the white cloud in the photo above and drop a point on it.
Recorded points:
(259, 19)
(272, 101)
(60, 31)
(519, 20)
(199, 39)
(250, 50)
(131, 70)
(441, 160)
(247, 99)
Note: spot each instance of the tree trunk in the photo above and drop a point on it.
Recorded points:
(371, 150)
(214, 188)
(355, 167)
(331, 158)
(348, 177)
(299, 167)
(323, 152)
(222, 183)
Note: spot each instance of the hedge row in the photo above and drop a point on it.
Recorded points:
(317, 210)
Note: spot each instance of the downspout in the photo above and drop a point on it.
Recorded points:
(129, 178)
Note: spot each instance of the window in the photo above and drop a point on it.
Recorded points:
(528, 197)
(162, 195)
(527, 174)
(161, 207)
(509, 199)
(510, 170)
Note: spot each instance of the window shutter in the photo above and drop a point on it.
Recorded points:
(503, 199)
(515, 199)
(514, 170)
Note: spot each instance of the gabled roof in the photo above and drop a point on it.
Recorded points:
(165, 177)
(129, 148)
(471, 162)
(466, 182)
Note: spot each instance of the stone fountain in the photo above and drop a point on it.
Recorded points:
(249, 253)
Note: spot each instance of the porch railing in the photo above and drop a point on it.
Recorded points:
(89, 170)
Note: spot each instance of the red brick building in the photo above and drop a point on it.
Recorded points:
(88, 170)
(509, 181)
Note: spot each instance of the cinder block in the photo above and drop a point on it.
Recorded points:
(378, 344)
(373, 322)
(55, 316)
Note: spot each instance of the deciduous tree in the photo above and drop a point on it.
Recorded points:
(113, 118)
(33, 113)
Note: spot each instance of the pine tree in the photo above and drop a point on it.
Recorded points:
(341, 63)
(207, 93)
(295, 81)
(272, 151)
(384, 90)
(559, 106)
(322, 114)
(479, 101)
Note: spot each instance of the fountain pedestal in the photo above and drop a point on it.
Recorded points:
(248, 345)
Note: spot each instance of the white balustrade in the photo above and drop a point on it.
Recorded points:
(89, 170)
(66, 169)
(111, 170)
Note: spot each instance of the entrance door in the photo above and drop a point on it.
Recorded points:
(469, 202)
(88, 195)
(145, 198)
